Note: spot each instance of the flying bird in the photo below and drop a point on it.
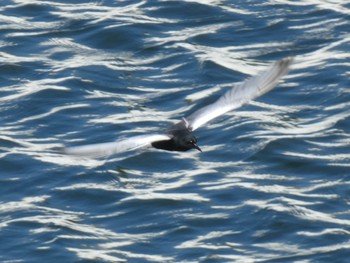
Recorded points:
(179, 137)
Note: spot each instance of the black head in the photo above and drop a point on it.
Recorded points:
(187, 141)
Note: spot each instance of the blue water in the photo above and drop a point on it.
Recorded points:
(272, 183)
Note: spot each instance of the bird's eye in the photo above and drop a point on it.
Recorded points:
(189, 142)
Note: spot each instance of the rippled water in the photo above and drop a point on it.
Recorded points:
(272, 183)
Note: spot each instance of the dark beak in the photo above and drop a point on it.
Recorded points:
(197, 147)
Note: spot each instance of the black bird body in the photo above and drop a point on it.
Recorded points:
(179, 137)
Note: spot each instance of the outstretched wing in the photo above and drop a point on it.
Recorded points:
(109, 148)
(241, 94)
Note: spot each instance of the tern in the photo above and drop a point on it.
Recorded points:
(179, 137)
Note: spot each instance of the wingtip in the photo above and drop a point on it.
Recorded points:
(60, 150)
(283, 66)
(286, 62)
(70, 151)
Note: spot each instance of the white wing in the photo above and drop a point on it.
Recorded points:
(241, 94)
(109, 148)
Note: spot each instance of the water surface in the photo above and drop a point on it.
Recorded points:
(272, 183)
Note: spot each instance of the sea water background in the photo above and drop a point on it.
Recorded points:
(273, 181)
